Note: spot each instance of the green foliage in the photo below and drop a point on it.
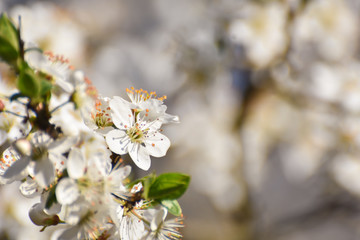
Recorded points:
(172, 206)
(168, 186)
(164, 189)
(33, 85)
(28, 83)
(9, 40)
(147, 182)
(45, 88)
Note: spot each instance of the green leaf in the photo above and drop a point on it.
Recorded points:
(45, 84)
(172, 206)
(9, 42)
(147, 182)
(45, 87)
(33, 85)
(169, 186)
(28, 83)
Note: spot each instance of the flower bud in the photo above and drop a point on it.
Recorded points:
(23, 146)
(40, 218)
(2, 106)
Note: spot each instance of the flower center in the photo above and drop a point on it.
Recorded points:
(83, 184)
(39, 152)
(101, 116)
(101, 120)
(90, 189)
(135, 134)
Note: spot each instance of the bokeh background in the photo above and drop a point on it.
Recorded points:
(268, 94)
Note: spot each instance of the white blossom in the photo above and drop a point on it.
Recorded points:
(160, 228)
(42, 160)
(134, 135)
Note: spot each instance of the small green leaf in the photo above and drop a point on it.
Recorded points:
(147, 182)
(169, 186)
(33, 85)
(28, 83)
(45, 87)
(172, 206)
(9, 42)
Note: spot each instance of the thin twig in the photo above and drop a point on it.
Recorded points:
(18, 115)
(61, 105)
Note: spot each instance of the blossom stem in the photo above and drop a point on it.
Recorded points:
(33, 49)
(18, 115)
(61, 105)
(139, 217)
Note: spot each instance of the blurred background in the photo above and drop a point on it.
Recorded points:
(268, 94)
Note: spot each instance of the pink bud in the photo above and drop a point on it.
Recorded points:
(2, 106)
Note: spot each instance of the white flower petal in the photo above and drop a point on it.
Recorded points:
(76, 163)
(114, 181)
(58, 160)
(43, 170)
(67, 191)
(158, 218)
(54, 209)
(117, 140)
(90, 123)
(3, 137)
(140, 156)
(30, 188)
(63, 145)
(151, 109)
(154, 110)
(37, 215)
(121, 113)
(104, 166)
(66, 86)
(74, 212)
(104, 131)
(37, 60)
(66, 234)
(17, 167)
(157, 144)
(119, 174)
(123, 172)
(168, 118)
(130, 226)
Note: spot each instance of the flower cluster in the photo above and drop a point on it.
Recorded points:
(64, 143)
